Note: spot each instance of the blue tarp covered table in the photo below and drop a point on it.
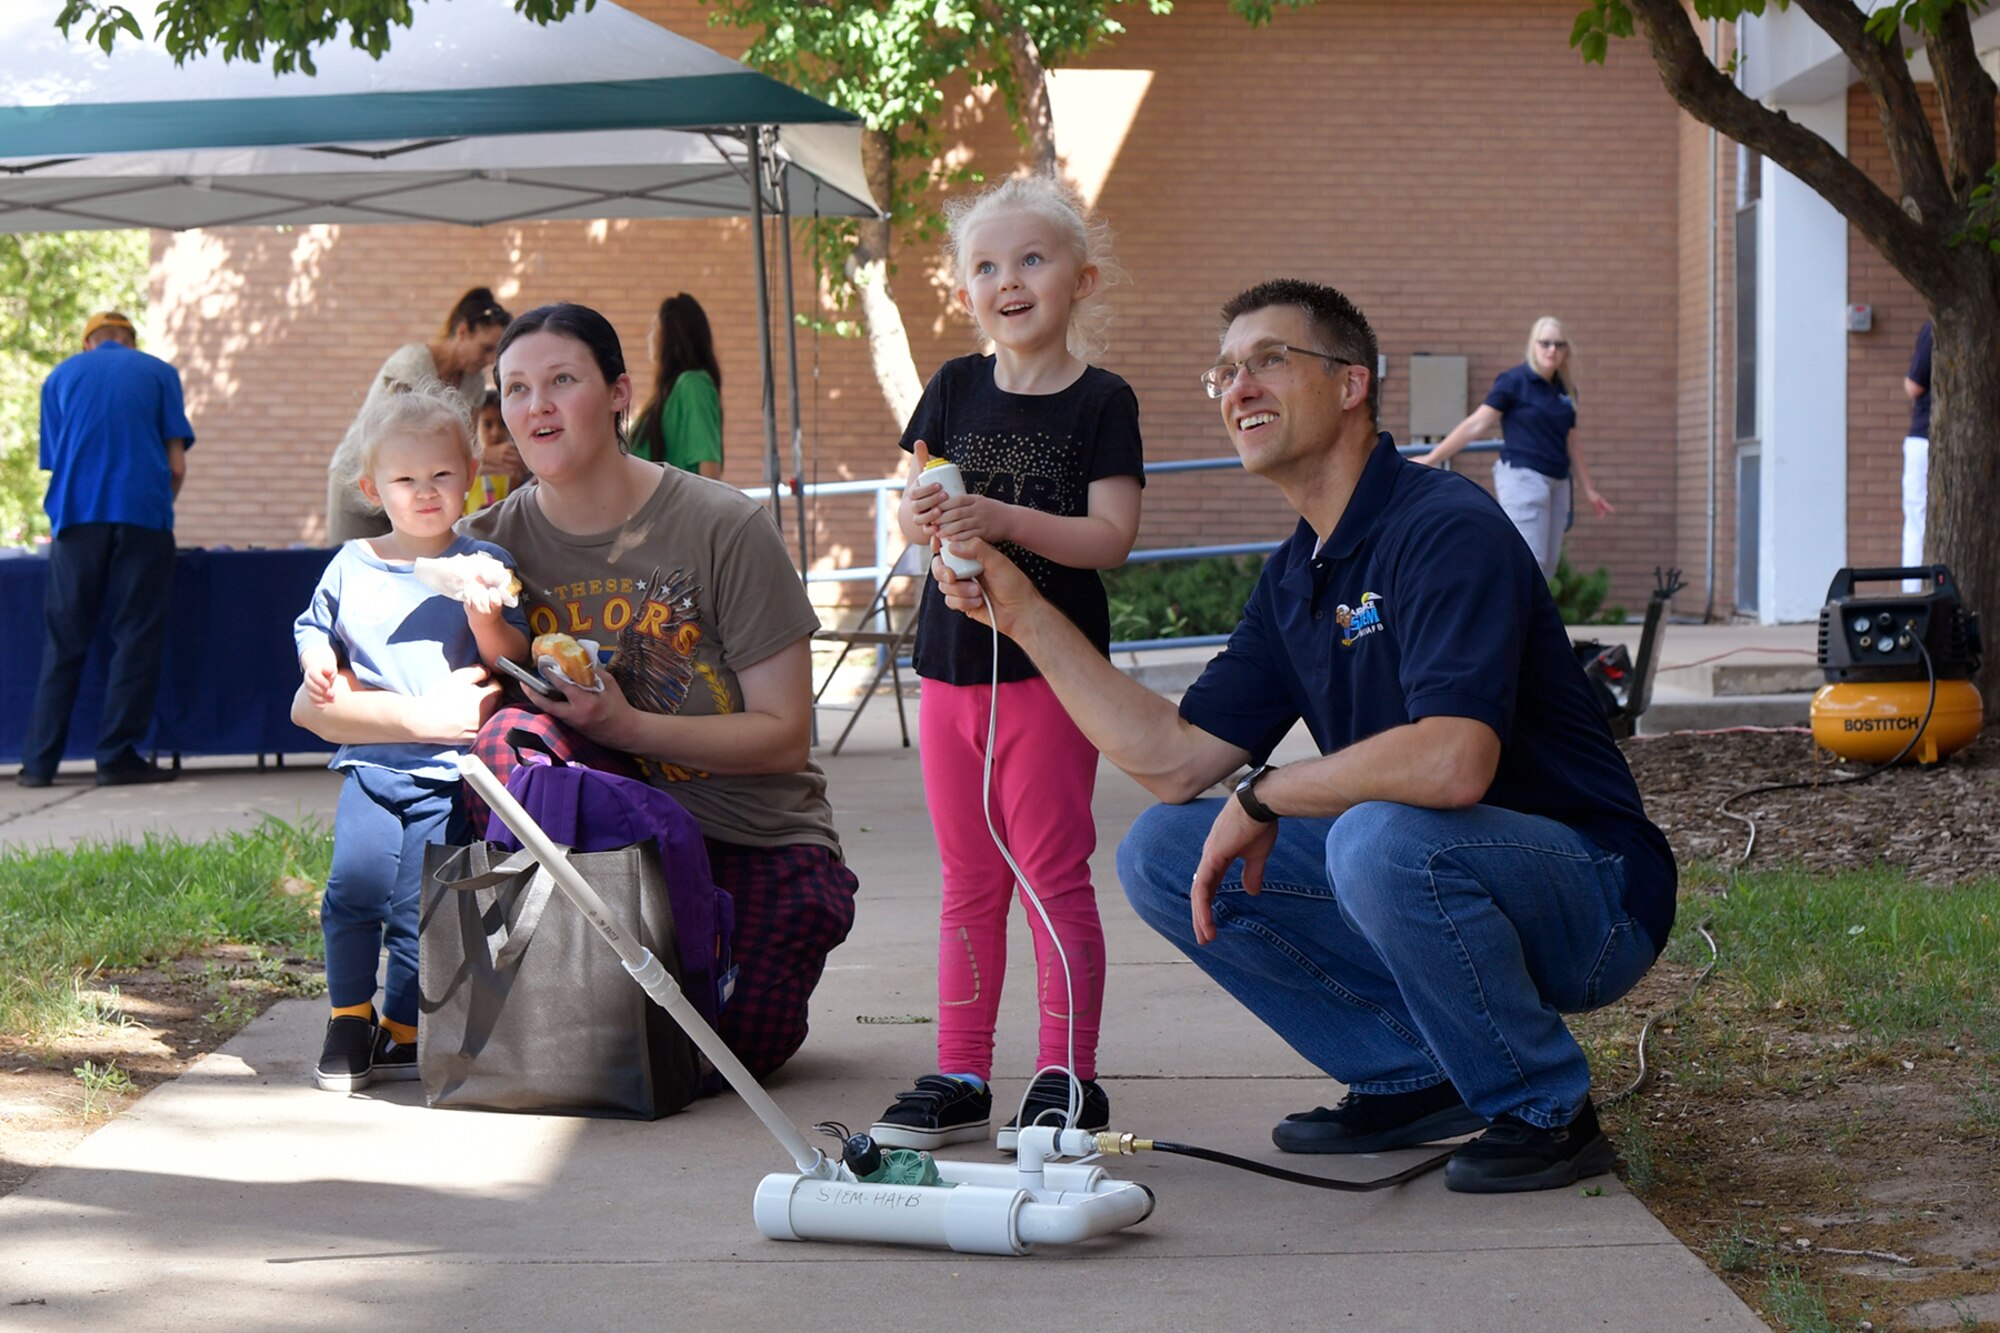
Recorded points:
(227, 674)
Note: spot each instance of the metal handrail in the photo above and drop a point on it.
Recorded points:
(889, 540)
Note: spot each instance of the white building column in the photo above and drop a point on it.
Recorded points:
(1801, 382)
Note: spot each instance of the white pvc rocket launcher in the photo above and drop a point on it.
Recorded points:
(990, 1208)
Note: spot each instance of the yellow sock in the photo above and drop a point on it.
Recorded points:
(404, 1034)
(354, 1011)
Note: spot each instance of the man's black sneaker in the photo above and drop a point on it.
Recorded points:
(939, 1110)
(1048, 1104)
(394, 1060)
(132, 771)
(1514, 1156)
(29, 778)
(347, 1060)
(1379, 1121)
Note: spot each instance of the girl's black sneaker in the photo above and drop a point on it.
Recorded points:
(939, 1110)
(1048, 1104)
(394, 1060)
(347, 1059)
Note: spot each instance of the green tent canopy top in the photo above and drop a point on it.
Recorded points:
(475, 116)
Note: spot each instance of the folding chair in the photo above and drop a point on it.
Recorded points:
(890, 641)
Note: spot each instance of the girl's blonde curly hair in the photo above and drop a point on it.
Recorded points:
(1088, 234)
(413, 411)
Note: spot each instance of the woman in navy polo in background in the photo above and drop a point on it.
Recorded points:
(1533, 406)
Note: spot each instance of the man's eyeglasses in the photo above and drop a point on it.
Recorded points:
(1550, 344)
(1217, 379)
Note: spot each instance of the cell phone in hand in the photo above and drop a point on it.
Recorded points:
(529, 678)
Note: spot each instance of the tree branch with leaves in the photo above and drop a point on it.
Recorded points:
(1937, 223)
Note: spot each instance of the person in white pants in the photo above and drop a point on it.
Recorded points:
(1533, 407)
(1917, 452)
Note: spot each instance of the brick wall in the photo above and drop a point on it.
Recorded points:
(1695, 358)
(1449, 163)
(1878, 412)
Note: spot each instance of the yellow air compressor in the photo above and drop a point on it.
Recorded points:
(1898, 668)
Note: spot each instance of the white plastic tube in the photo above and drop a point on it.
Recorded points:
(969, 1219)
(1061, 1176)
(1066, 1221)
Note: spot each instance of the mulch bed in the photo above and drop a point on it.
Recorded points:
(1942, 821)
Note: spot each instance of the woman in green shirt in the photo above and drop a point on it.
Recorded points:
(681, 424)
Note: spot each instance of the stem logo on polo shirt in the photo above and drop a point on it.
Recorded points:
(1360, 621)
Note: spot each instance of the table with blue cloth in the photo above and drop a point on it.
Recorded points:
(228, 671)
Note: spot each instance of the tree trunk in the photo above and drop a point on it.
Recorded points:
(868, 269)
(1960, 530)
(1961, 283)
(1035, 114)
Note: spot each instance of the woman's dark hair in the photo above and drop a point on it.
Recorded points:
(475, 310)
(569, 320)
(685, 344)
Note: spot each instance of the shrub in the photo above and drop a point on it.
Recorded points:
(1171, 599)
(1580, 597)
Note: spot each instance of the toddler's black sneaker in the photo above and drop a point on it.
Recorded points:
(347, 1060)
(395, 1061)
(1514, 1156)
(939, 1110)
(1379, 1121)
(1048, 1104)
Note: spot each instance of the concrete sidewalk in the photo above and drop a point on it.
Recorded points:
(241, 1195)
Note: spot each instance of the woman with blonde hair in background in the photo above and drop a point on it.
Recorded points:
(1533, 407)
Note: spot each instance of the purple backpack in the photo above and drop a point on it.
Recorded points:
(587, 810)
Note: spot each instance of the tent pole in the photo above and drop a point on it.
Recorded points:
(792, 369)
(754, 136)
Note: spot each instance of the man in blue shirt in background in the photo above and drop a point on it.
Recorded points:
(115, 437)
(1465, 860)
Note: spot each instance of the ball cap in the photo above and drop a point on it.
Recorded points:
(108, 319)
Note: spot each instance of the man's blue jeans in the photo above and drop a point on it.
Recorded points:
(1396, 946)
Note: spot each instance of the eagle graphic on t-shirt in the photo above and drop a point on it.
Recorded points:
(656, 667)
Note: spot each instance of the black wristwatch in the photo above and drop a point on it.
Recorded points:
(1246, 795)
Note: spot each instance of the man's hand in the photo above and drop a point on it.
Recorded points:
(455, 710)
(1603, 506)
(320, 665)
(1009, 595)
(1234, 836)
(605, 718)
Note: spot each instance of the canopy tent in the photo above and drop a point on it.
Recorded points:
(475, 116)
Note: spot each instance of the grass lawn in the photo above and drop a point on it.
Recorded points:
(1831, 1096)
(72, 917)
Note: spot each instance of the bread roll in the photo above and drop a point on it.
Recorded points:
(571, 658)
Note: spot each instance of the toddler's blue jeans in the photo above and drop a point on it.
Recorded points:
(1396, 946)
(380, 827)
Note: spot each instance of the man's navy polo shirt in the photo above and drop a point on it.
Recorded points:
(107, 414)
(1426, 603)
(1536, 417)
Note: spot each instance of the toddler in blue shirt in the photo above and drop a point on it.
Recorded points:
(373, 617)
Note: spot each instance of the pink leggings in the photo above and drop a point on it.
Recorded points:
(1043, 774)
